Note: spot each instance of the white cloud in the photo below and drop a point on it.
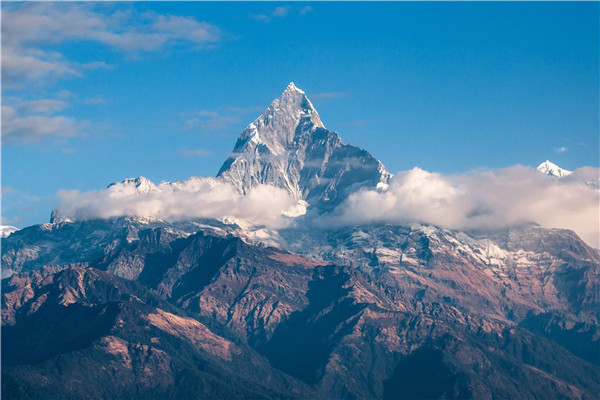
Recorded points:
(305, 10)
(94, 101)
(44, 106)
(197, 198)
(481, 200)
(96, 65)
(213, 124)
(19, 66)
(277, 12)
(27, 28)
(478, 200)
(281, 11)
(560, 150)
(186, 28)
(29, 121)
(261, 17)
(35, 128)
(212, 120)
(215, 120)
(207, 113)
(33, 121)
(16, 205)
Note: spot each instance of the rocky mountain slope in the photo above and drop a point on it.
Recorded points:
(288, 146)
(84, 333)
(343, 331)
(130, 307)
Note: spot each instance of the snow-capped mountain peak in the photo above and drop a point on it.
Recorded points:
(277, 128)
(142, 184)
(289, 147)
(549, 168)
(292, 87)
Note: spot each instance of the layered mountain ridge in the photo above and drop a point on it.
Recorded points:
(131, 307)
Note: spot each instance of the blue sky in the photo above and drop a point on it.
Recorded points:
(96, 93)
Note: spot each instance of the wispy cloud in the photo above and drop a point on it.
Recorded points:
(15, 204)
(560, 150)
(244, 110)
(43, 106)
(29, 28)
(207, 113)
(261, 17)
(187, 153)
(305, 10)
(12, 192)
(268, 16)
(215, 120)
(96, 65)
(19, 67)
(281, 11)
(34, 121)
(329, 95)
(213, 124)
(94, 101)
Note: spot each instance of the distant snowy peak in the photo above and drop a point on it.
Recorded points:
(289, 147)
(141, 184)
(7, 230)
(276, 129)
(552, 169)
(144, 185)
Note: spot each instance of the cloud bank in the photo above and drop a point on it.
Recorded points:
(481, 200)
(195, 198)
(488, 199)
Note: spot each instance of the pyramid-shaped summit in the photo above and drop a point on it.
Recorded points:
(289, 147)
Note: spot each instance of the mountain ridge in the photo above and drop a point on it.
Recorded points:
(198, 307)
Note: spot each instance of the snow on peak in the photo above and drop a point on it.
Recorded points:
(6, 230)
(549, 168)
(292, 87)
(279, 128)
(142, 185)
(289, 147)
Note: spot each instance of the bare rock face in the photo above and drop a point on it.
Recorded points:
(144, 308)
(442, 309)
(84, 333)
(289, 147)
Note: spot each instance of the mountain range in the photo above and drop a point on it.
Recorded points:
(128, 306)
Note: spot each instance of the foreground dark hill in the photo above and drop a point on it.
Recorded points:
(139, 308)
(84, 333)
(342, 331)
